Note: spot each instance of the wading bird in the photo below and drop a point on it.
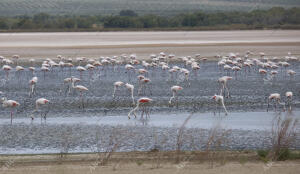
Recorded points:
(9, 104)
(32, 84)
(38, 104)
(219, 100)
(142, 101)
(81, 89)
(6, 68)
(117, 85)
(223, 81)
(274, 97)
(175, 90)
(289, 97)
(130, 87)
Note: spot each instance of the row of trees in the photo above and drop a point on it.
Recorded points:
(128, 19)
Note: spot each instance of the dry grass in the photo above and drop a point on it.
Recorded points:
(283, 134)
(188, 168)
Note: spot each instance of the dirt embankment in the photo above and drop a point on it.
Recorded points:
(146, 162)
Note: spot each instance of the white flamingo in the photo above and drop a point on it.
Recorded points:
(9, 104)
(289, 97)
(81, 89)
(117, 85)
(130, 87)
(274, 97)
(220, 100)
(6, 68)
(174, 90)
(32, 84)
(38, 103)
(223, 81)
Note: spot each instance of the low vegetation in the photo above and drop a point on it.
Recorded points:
(274, 18)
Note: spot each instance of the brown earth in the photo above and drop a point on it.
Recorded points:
(146, 162)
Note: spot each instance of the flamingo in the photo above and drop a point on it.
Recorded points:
(130, 87)
(143, 82)
(116, 86)
(80, 69)
(129, 68)
(142, 100)
(69, 82)
(32, 84)
(274, 97)
(38, 103)
(32, 61)
(220, 100)
(90, 68)
(16, 57)
(6, 68)
(289, 97)
(44, 69)
(9, 104)
(79, 88)
(227, 68)
(18, 70)
(223, 81)
(32, 69)
(291, 73)
(175, 90)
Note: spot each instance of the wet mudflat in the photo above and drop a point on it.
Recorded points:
(104, 118)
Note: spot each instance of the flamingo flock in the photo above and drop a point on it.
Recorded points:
(177, 76)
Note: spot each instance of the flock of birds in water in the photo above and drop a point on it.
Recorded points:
(234, 62)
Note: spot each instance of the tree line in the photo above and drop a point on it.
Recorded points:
(272, 18)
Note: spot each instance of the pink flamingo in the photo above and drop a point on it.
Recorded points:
(289, 97)
(144, 82)
(129, 68)
(32, 84)
(80, 69)
(291, 73)
(90, 68)
(81, 89)
(143, 101)
(38, 103)
(274, 97)
(32, 69)
(9, 104)
(6, 68)
(44, 69)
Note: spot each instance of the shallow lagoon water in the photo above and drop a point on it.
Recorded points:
(248, 130)
(235, 120)
(248, 121)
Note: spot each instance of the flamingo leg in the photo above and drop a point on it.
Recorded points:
(216, 108)
(228, 94)
(11, 117)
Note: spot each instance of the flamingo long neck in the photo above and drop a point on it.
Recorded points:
(132, 95)
(32, 88)
(73, 84)
(36, 107)
(115, 88)
(174, 93)
(222, 101)
(133, 110)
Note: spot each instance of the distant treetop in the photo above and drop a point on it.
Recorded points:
(127, 13)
